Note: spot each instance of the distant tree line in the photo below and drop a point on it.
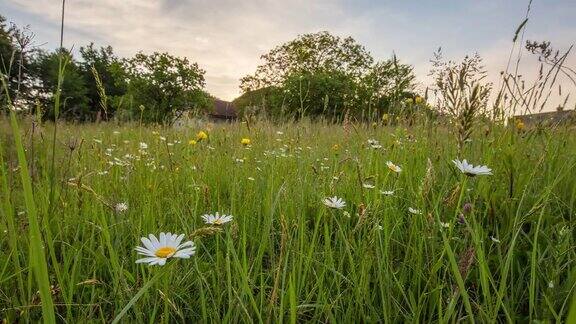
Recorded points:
(314, 75)
(98, 85)
(320, 74)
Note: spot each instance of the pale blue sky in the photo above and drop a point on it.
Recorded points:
(226, 37)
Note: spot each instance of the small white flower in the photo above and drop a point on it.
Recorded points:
(121, 207)
(157, 251)
(393, 167)
(470, 170)
(414, 211)
(495, 240)
(374, 144)
(387, 192)
(368, 186)
(239, 160)
(162, 138)
(217, 219)
(251, 179)
(280, 133)
(143, 146)
(550, 284)
(445, 225)
(334, 202)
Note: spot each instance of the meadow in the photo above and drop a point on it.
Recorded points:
(426, 244)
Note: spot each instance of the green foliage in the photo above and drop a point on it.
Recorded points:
(267, 102)
(14, 63)
(7, 56)
(109, 70)
(74, 100)
(162, 87)
(328, 93)
(324, 75)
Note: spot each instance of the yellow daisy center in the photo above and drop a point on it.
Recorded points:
(165, 252)
(393, 167)
(218, 221)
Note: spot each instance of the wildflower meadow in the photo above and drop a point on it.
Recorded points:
(287, 162)
(292, 222)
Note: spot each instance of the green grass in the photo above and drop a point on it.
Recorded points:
(286, 257)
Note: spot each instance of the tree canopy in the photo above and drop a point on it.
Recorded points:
(320, 74)
(98, 85)
(163, 86)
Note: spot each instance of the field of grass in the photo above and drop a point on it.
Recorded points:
(508, 256)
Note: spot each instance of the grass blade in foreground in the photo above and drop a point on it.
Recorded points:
(37, 260)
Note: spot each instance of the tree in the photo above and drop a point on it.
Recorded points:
(7, 51)
(74, 102)
(311, 53)
(386, 85)
(15, 45)
(324, 75)
(102, 72)
(326, 93)
(164, 86)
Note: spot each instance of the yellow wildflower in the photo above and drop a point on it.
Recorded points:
(201, 136)
(419, 100)
(245, 141)
(192, 142)
(520, 125)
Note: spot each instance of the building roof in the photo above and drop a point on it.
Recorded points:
(548, 117)
(223, 109)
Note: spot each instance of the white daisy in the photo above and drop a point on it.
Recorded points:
(143, 146)
(121, 207)
(470, 170)
(393, 167)
(387, 192)
(217, 219)
(374, 144)
(368, 186)
(334, 202)
(414, 211)
(157, 251)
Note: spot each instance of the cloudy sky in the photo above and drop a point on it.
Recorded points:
(227, 37)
